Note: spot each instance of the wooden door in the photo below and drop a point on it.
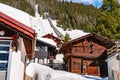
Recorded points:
(93, 70)
(76, 65)
(76, 68)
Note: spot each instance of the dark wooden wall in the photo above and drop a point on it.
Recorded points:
(87, 57)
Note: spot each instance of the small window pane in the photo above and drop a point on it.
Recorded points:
(4, 56)
(4, 42)
(3, 66)
(3, 48)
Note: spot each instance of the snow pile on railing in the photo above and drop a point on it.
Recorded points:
(41, 72)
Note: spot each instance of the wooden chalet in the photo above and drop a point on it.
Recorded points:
(46, 51)
(87, 54)
(55, 39)
(17, 43)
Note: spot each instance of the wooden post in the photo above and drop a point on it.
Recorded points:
(81, 65)
(33, 45)
(68, 64)
(85, 45)
(25, 69)
(71, 64)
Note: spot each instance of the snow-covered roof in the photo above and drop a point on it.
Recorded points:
(46, 40)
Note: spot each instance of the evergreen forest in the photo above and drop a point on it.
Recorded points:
(104, 20)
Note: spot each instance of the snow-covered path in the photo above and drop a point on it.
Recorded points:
(47, 73)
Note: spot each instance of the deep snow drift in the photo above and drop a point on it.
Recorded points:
(42, 72)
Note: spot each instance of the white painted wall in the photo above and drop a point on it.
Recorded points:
(16, 67)
(16, 62)
(113, 65)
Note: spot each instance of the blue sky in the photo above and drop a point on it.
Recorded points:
(96, 3)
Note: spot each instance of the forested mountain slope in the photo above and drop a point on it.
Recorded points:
(19, 4)
(70, 15)
(104, 21)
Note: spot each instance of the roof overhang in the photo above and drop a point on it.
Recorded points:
(17, 25)
(47, 35)
(93, 36)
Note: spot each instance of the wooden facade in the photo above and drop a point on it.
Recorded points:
(15, 29)
(87, 54)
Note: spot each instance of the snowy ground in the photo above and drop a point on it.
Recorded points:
(46, 73)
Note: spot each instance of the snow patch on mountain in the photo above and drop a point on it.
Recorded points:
(72, 33)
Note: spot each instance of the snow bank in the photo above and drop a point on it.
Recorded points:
(63, 75)
(105, 78)
(92, 77)
(46, 73)
(42, 72)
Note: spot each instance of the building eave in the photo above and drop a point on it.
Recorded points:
(17, 25)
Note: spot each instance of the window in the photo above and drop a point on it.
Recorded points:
(3, 66)
(4, 54)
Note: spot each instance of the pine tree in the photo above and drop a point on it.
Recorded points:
(67, 37)
(108, 22)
